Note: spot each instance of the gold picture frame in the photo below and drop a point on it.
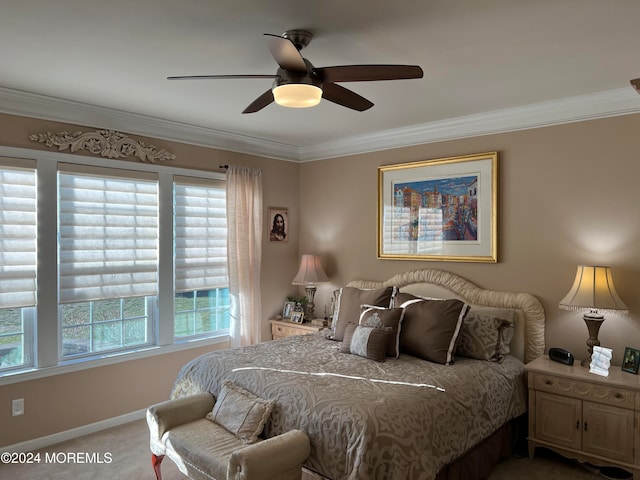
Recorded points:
(443, 209)
(297, 317)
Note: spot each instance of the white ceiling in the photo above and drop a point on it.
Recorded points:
(490, 65)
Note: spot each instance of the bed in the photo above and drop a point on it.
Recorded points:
(400, 418)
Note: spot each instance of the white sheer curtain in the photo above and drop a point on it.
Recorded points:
(244, 217)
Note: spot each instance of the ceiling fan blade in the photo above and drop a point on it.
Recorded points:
(209, 77)
(259, 103)
(345, 97)
(366, 73)
(285, 53)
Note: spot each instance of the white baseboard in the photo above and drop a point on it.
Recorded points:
(42, 442)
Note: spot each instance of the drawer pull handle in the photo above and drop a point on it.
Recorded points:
(577, 424)
(617, 395)
(548, 382)
(586, 426)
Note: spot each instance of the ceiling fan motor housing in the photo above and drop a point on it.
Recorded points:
(300, 38)
(286, 77)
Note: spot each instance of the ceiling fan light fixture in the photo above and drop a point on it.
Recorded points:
(297, 95)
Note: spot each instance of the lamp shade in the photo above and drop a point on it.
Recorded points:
(593, 290)
(310, 271)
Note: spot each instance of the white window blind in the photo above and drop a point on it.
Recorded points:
(200, 235)
(108, 229)
(17, 235)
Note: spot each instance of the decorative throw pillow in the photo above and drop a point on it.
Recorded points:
(240, 412)
(430, 329)
(368, 342)
(486, 333)
(380, 317)
(348, 305)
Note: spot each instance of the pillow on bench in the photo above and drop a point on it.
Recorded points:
(240, 412)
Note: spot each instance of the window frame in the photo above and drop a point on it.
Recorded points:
(26, 305)
(151, 307)
(28, 318)
(210, 263)
(194, 311)
(92, 201)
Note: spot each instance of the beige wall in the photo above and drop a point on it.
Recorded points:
(71, 400)
(568, 195)
(67, 401)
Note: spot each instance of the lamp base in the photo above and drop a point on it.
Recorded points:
(310, 290)
(594, 321)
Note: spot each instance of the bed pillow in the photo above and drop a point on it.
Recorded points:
(486, 333)
(240, 412)
(348, 304)
(368, 342)
(401, 298)
(380, 317)
(430, 329)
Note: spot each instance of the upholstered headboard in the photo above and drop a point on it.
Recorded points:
(528, 341)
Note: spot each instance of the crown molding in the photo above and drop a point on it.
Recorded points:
(622, 101)
(26, 104)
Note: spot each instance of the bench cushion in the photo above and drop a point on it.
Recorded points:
(202, 443)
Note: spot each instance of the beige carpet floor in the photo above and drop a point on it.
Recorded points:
(122, 453)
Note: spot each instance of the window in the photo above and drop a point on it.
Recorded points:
(202, 312)
(102, 257)
(17, 262)
(200, 251)
(108, 259)
(105, 325)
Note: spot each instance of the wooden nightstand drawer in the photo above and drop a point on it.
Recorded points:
(606, 394)
(281, 329)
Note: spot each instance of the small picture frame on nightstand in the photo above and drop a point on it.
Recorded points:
(631, 360)
(296, 317)
(287, 310)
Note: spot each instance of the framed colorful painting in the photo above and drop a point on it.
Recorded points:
(443, 209)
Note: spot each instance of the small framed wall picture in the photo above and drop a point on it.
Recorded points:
(278, 224)
(287, 310)
(296, 317)
(631, 360)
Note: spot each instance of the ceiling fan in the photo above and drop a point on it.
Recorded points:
(298, 84)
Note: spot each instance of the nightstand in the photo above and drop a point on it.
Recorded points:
(282, 329)
(585, 416)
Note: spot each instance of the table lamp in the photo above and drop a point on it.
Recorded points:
(593, 293)
(309, 275)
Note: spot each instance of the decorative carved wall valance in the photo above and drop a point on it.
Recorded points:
(107, 143)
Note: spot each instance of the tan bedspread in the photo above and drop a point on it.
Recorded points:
(402, 419)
